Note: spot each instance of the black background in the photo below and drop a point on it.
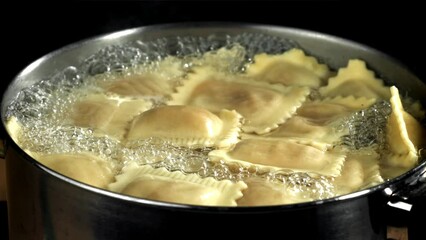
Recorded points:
(32, 30)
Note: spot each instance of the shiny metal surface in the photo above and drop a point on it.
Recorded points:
(47, 205)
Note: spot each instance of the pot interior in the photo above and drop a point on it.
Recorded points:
(126, 49)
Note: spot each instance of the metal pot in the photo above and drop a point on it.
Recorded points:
(43, 204)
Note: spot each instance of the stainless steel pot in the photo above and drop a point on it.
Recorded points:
(46, 205)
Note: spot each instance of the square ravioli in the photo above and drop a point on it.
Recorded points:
(261, 192)
(215, 91)
(84, 167)
(355, 80)
(187, 126)
(224, 126)
(292, 68)
(109, 115)
(162, 185)
(288, 154)
(361, 170)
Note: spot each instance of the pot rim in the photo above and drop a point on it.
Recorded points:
(177, 206)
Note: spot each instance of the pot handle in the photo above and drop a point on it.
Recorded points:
(407, 206)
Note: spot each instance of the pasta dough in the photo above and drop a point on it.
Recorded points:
(361, 170)
(292, 68)
(215, 92)
(330, 109)
(157, 80)
(188, 126)
(109, 115)
(139, 85)
(160, 184)
(405, 135)
(318, 120)
(355, 80)
(275, 154)
(299, 127)
(83, 167)
(261, 192)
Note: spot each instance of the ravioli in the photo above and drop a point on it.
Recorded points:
(278, 126)
(14, 128)
(162, 185)
(223, 59)
(292, 68)
(109, 115)
(94, 111)
(215, 91)
(187, 126)
(288, 154)
(138, 85)
(261, 192)
(405, 135)
(355, 80)
(325, 111)
(156, 79)
(388, 171)
(361, 170)
(83, 167)
(300, 127)
(316, 120)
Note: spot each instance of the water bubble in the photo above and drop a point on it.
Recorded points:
(112, 58)
(367, 127)
(260, 43)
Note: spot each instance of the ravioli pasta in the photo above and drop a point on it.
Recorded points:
(317, 120)
(160, 184)
(190, 126)
(156, 81)
(330, 109)
(109, 115)
(355, 80)
(361, 170)
(304, 128)
(83, 167)
(405, 135)
(268, 154)
(214, 91)
(139, 85)
(261, 192)
(292, 68)
(221, 131)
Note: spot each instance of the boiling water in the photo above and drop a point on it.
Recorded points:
(43, 110)
(367, 127)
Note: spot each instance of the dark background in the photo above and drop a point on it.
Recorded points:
(31, 30)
